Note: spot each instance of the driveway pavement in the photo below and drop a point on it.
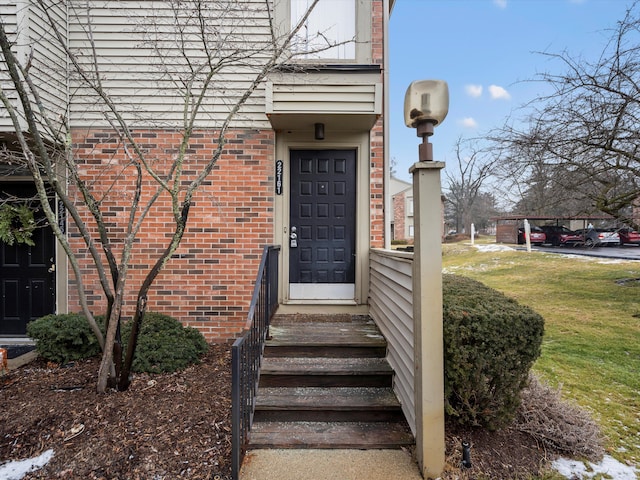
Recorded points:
(626, 252)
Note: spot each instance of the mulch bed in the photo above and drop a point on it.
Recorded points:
(174, 426)
(164, 427)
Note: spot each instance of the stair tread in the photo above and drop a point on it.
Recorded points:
(330, 435)
(324, 366)
(328, 333)
(325, 383)
(333, 398)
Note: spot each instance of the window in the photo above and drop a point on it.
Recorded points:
(331, 22)
(410, 206)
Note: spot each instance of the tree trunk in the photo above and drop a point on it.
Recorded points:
(124, 381)
(107, 372)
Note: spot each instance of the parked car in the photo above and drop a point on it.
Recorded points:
(537, 236)
(561, 235)
(628, 235)
(599, 237)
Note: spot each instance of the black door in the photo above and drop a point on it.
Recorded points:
(323, 214)
(26, 274)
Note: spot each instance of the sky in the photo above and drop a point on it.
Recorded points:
(488, 51)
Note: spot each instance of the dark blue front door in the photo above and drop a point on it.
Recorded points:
(323, 214)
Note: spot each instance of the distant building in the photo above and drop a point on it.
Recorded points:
(402, 227)
(402, 204)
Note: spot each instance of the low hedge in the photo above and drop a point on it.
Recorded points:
(490, 344)
(164, 344)
(63, 338)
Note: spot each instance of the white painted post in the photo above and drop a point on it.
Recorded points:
(427, 314)
(473, 234)
(527, 234)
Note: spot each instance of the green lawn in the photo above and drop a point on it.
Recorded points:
(592, 328)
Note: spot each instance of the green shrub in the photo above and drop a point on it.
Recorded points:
(63, 338)
(490, 344)
(165, 345)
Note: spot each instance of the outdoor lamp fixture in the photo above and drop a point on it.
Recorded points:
(318, 131)
(426, 105)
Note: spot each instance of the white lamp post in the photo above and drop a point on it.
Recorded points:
(426, 105)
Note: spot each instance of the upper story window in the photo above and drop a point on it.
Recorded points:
(332, 22)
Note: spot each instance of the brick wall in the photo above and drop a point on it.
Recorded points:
(377, 186)
(399, 207)
(377, 138)
(208, 282)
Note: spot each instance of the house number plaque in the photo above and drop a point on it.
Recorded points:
(279, 167)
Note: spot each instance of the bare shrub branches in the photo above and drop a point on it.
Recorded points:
(558, 424)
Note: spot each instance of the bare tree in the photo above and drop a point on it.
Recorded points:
(580, 143)
(190, 51)
(464, 186)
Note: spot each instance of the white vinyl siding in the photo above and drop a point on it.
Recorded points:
(145, 62)
(391, 307)
(8, 11)
(35, 40)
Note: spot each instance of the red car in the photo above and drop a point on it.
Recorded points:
(628, 235)
(561, 235)
(537, 236)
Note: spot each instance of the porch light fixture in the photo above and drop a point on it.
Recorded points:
(426, 105)
(318, 131)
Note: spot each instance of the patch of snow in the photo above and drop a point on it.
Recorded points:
(17, 469)
(573, 256)
(608, 466)
(494, 248)
(612, 261)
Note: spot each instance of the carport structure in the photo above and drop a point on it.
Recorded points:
(507, 226)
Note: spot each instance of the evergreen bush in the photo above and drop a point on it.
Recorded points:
(164, 344)
(490, 344)
(63, 338)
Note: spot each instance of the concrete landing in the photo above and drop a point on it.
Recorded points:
(329, 465)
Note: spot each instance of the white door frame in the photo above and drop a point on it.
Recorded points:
(326, 294)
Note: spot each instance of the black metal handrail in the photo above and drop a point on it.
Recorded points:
(246, 354)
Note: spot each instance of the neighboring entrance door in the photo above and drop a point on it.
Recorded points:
(322, 261)
(26, 275)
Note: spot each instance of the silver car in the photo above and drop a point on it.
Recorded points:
(599, 237)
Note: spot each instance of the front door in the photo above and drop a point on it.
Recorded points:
(322, 225)
(26, 274)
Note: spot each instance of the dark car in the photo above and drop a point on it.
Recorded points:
(537, 236)
(628, 235)
(561, 235)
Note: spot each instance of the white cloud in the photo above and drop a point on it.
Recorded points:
(468, 122)
(498, 93)
(473, 90)
(500, 3)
